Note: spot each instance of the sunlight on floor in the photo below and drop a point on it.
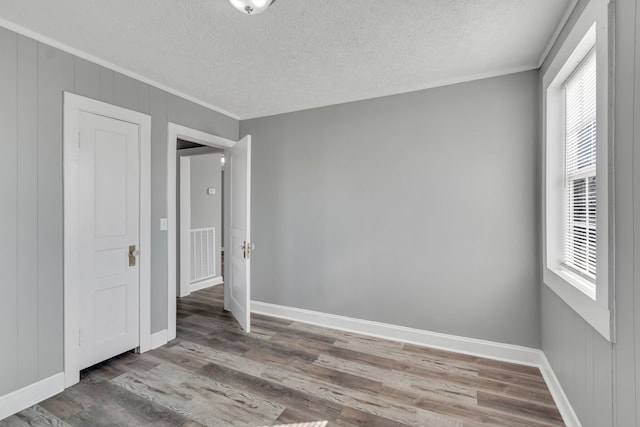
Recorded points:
(309, 424)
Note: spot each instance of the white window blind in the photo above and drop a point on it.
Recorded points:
(579, 252)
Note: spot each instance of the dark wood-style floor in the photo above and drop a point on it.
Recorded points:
(287, 372)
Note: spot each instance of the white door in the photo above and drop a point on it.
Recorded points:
(238, 158)
(109, 221)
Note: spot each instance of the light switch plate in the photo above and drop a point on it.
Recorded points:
(211, 191)
(164, 224)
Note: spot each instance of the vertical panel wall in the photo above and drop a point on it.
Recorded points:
(8, 212)
(33, 77)
(27, 211)
(601, 379)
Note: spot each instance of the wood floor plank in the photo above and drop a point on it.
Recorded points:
(133, 408)
(324, 373)
(452, 357)
(313, 407)
(208, 325)
(64, 405)
(487, 384)
(516, 406)
(434, 389)
(353, 417)
(325, 389)
(285, 372)
(14, 421)
(208, 402)
(292, 416)
(38, 416)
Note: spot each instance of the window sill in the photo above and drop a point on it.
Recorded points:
(582, 284)
(578, 293)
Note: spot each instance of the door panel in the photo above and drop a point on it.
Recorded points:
(109, 224)
(110, 183)
(239, 280)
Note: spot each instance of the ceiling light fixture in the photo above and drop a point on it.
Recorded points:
(251, 7)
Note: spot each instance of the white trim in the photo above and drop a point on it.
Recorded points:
(159, 339)
(185, 226)
(73, 104)
(591, 28)
(597, 316)
(199, 137)
(472, 346)
(559, 397)
(174, 132)
(301, 107)
(84, 55)
(204, 284)
(25, 397)
(445, 82)
(556, 33)
(475, 347)
(81, 54)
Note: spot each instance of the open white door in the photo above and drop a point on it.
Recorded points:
(238, 280)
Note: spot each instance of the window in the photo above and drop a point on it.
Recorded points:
(577, 263)
(580, 237)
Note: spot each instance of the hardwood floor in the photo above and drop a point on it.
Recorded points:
(286, 372)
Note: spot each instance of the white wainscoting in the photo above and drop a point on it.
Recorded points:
(203, 254)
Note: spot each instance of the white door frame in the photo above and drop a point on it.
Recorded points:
(185, 225)
(176, 131)
(73, 105)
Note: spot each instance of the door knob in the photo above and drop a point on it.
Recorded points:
(247, 248)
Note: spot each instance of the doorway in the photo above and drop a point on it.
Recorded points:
(200, 217)
(237, 205)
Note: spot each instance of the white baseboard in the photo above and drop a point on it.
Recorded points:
(472, 346)
(569, 416)
(159, 339)
(18, 400)
(197, 286)
(475, 347)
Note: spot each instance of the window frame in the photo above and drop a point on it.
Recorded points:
(593, 303)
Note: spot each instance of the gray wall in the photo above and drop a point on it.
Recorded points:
(32, 79)
(602, 380)
(206, 210)
(417, 209)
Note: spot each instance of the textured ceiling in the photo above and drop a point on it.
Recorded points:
(299, 53)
